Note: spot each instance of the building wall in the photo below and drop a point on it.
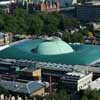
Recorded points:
(84, 82)
(55, 74)
(50, 7)
(6, 39)
(1, 41)
(36, 73)
(73, 84)
(88, 12)
(38, 92)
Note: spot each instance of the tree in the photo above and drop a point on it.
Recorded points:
(62, 95)
(90, 94)
(21, 17)
(3, 91)
(73, 37)
(22, 22)
(84, 98)
(67, 36)
(35, 25)
(77, 37)
(70, 22)
(2, 23)
(51, 23)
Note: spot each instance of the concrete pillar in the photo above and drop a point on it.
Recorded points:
(19, 98)
(9, 98)
(26, 98)
(6, 98)
(34, 98)
(13, 98)
(2, 96)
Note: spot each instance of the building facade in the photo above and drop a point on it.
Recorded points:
(5, 38)
(88, 12)
(50, 6)
(75, 81)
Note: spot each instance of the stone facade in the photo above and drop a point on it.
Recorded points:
(50, 6)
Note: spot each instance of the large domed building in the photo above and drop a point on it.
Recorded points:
(53, 46)
(52, 49)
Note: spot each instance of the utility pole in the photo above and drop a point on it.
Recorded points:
(50, 86)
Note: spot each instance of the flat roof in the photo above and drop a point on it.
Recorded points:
(96, 2)
(31, 65)
(75, 74)
(19, 87)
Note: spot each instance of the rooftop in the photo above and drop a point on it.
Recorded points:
(75, 74)
(32, 65)
(26, 88)
(96, 2)
(53, 50)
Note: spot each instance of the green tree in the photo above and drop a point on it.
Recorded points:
(10, 24)
(35, 25)
(50, 23)
(3, 91)
(62, 95)
(90, 94)
(21, 16)
(84, 98)
(2, 23)
(77, 37)
(67, 36)
(73, 37)
(22, 22)
(70, 22)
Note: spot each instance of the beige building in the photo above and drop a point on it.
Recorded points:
(31, 72)
(5, 38)
(40, 91)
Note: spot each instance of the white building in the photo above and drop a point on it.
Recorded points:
(95, 84)
(75, 81)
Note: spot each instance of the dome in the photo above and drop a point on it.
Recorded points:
(53, 46)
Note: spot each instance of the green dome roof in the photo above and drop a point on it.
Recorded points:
(52, 50)
(53, 46)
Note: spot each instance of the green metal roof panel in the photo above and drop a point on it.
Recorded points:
(28, 49)
(19, 87)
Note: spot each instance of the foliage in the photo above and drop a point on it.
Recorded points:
(3, 91)
(41, 23)
(21, 22)
(90, 94)
(61, 95)
(73, 37)
(84, 98)
(1, 23)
